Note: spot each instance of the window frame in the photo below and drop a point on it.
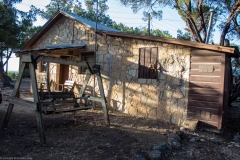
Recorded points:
(148, 63)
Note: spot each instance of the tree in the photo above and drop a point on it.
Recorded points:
(231, 24)
(196, 14)
(147, 16)
(75, 6)
(12, 32)
(183, 36)
(65, 5)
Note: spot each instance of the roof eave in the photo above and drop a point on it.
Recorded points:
(231, 50)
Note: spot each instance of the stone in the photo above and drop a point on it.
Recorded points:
(174, 141)
(177, 94)
(170, 60)
(138, 157)
(142, 111)
(160, 151)
(236, 137)
(162, 76)
(155, 155)
(192, 139)
(215, 140)
(175, 119)
(142, 81)
(152, 113)
(202, 140)
(132, 72)
(189, 124)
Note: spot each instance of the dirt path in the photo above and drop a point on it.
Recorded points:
(83, 135)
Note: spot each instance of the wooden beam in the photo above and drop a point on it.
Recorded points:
(23, 102)
(173, 41)
(64, 61)
(26, 58)
(38, 111)
(102, 95)
(14, 94)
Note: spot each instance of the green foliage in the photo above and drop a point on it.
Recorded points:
(183, 36)
(74, 6)
(196, 15)
(56, 5)
(12, 74)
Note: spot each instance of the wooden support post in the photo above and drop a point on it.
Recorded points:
(14, 95)
(87, 78)
(96, 69)
(38, 112)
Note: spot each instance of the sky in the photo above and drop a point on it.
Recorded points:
(171, 21)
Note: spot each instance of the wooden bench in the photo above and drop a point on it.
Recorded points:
(54, 98)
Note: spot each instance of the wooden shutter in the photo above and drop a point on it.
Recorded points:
(153, 60)
(148, 63)
(141, 62)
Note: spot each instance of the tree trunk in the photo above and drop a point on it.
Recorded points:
(5, 80)
(233, 12)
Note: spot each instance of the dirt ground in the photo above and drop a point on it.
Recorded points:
(83, 135)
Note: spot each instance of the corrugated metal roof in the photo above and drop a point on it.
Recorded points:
(53, 48)
(90, 23)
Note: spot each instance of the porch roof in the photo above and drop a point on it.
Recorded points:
(54, 47)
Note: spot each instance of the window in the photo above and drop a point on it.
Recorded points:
(43, 66)
(88, 57)
(148, 63)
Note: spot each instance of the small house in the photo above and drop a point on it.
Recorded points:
(144, 76)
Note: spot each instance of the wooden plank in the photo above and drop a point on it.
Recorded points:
(38, 112)
(196, 72)
(102, 95)
(221, 98)
(206, 59)
(211, 110)
(98, 99)
(216, 48)
(216, 66)
(26, 58)
(14, 94)
(141, 62)
(200, 119)
(49, 95)
(198, 97)
(24, 103)
(84, 86)
(203, 104)
(205, 78)
(147, 71)
(153, 61)
(204, 91)
(63, 102)
(210, 85)
(212, 118)
(201, 52)
(64, 61)
(70, 109)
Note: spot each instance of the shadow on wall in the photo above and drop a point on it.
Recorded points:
(164, 98)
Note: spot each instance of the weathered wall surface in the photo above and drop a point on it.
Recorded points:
(163, 98)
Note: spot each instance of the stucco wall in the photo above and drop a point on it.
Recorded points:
(163, 98)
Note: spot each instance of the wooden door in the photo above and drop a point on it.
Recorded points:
(64, 73)
(206, 87)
